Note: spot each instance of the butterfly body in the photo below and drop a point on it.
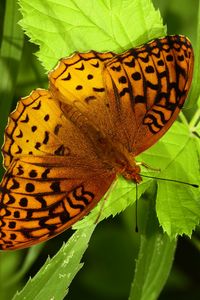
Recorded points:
(65, 146)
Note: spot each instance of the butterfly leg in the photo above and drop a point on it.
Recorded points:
(141, 163)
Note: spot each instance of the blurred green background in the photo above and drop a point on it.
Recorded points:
(114, 240)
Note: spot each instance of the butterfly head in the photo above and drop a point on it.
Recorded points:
(132, 172)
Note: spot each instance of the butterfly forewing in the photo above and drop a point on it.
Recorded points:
(78, 82)
(149, 85)
(39, 127)
(137, 95)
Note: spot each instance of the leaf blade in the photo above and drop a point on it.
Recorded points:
(105, 30)
(55, 276)
(154, 261)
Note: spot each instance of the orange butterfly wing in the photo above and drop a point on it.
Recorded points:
(64, 147)
(132, 98)
(78, 82)
(149, 86)
(54, 176)
(41, 197)
(39, 127)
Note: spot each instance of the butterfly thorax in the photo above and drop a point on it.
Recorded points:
(120, 160)
(132, 173)
(111, 153)
(129, 170)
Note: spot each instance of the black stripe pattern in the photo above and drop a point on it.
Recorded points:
(155, 76)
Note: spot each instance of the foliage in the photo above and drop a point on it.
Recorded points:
(60, 28)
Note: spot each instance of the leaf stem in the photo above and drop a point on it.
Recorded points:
(195, 89)
(196, 118)
(183, 118)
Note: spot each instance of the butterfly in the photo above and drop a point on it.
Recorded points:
(65, 146)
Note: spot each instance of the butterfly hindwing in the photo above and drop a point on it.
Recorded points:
(41, 197)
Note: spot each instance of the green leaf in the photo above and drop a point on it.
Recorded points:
(62, 27)
(177, 205)
(55, 276)
(195, 89)
(194, 124)
(119, 197)
(198, 128)
(30, 258)
(9, 263)
(155, 258)
(10, 56)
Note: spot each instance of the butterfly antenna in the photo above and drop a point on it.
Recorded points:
(172, 180)
(136, 209)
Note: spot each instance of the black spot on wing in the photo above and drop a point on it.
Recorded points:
(38, 106)
(46, 137)
(26, 120)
